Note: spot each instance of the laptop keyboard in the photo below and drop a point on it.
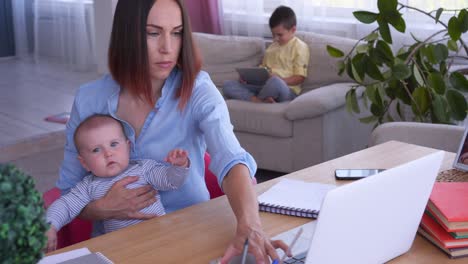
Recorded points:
(300, 258)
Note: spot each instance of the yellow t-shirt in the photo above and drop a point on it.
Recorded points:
(288, 60)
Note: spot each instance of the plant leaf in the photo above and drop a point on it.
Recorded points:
(429, 53)
(365, 16)
(377, 110)
(341, 67)
(421, 99)
(334, 52)
(439, 109)
(351, 101)
(397, 21)
(452, 45)
(371, 92)
(363, 48)
(384, 52)
(373, 71)
(356, 75)
(372, 36)
(400, 71)
(463, 20)
(457, 104)
(368, 119)
(387, 5)
(384, 30)
(440, 52)
(436, 81)
(417, 75)
(458, 81)
(359, 63)
(438, 13)
(454, 28)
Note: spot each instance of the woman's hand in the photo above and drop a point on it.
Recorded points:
(243, 200)
(122, 203)
(260, 246)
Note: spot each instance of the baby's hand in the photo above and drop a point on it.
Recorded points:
(178, 157)
(51, 239)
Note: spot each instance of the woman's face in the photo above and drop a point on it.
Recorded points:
(164, 38)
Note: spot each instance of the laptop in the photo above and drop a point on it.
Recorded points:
(372, 220)
(254, 75)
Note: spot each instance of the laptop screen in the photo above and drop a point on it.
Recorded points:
(461, 160)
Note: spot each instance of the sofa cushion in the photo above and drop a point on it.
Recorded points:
(322, 67)
(263, 119)
(223, 54)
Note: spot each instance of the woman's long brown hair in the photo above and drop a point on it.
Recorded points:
(128, 51)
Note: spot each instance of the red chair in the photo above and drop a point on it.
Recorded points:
(76, 231)
(79, 230)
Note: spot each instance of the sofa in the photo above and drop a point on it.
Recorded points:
(438, 136)
(288, 136)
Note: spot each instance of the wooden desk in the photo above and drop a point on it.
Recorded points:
(201, 233)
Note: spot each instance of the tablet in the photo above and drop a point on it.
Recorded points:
(254, 75)
(461, 160)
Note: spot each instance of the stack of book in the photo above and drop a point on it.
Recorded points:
(445, 221)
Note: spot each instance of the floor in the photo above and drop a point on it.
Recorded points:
(29, 93)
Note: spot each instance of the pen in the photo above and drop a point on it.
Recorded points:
(245, 250)
(293, 242)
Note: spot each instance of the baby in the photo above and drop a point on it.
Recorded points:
(104, 150)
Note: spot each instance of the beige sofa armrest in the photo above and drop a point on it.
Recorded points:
(318, 101)
(439, 136)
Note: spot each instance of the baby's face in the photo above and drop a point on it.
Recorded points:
(104, 150)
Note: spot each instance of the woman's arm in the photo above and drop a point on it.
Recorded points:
(121, 203)
(234, 168)
(243, 200)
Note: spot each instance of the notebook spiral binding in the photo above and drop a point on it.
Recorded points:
(284, 210)
(104, 258)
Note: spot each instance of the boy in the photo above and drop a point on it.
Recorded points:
(104, 150)
(286, 59)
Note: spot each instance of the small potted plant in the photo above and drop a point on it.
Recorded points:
(417, 81)
(22, 220)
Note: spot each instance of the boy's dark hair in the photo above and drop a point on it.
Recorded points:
(283, 15)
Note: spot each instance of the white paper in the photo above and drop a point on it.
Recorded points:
(296, 194)
(57, 258)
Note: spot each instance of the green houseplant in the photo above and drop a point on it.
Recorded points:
(22, 220)
(417, 77)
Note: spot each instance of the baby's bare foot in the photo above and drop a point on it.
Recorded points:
(269, 100)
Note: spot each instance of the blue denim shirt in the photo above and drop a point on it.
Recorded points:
(204, 125)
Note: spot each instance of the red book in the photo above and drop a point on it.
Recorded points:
(442, 236)
(452, 252)
(449, 204)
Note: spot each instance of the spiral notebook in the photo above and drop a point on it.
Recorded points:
(294, 197)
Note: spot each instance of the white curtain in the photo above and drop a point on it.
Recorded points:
(332, 17)
(63, 32)
(22, 41)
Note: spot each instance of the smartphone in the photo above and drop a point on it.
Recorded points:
(355, 174)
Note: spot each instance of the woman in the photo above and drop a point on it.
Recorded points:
(157, 91)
